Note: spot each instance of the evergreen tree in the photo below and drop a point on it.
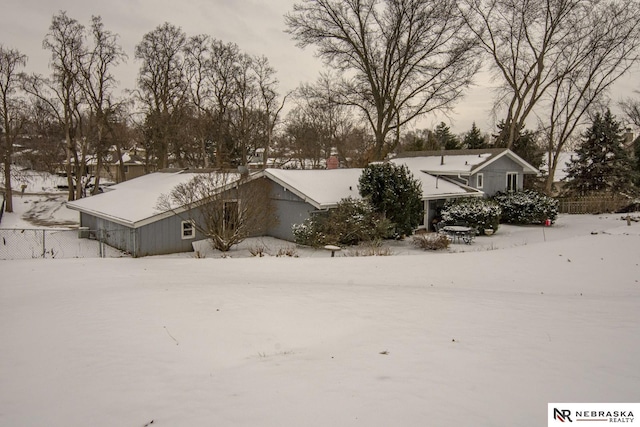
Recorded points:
(445, 138)
(524, 145)
(636, 161)
(601, 162)
(474, 139)
(394, 192)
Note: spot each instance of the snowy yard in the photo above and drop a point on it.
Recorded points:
(482, 338)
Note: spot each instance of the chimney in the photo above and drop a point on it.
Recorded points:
(628, 136)
(332, 161)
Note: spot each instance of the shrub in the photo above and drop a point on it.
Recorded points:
(526, 207)
(351, 222)
(394, 193)
(474, 211)
(432, 241)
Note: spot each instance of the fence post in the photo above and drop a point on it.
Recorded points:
(101, 243)
(44, 244)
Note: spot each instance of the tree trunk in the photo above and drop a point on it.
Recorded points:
(8, 192)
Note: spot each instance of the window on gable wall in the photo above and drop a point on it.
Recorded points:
(479, 180)
(188, 230)
(512, 181)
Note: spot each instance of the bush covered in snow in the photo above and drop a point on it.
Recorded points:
(526, 207)
(351, 222)
(474, 211)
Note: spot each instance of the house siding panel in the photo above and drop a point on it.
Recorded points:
(289, 209)
(165, 237)
(495, 175)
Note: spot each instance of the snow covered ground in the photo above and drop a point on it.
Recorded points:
(484, 337)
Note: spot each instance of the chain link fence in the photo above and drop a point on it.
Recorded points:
(28, 243)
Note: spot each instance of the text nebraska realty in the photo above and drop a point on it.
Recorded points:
(591, 415)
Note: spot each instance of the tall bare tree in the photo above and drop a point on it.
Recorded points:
(162, 89)
(268, 101)
(98, 84)
(525, 41)
(198, 70)
(10, 112)
(604, 52)
(557, 57)
(62, 92)
(401, 58)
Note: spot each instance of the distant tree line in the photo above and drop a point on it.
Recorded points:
(204, 103)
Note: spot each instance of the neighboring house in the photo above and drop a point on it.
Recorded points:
(127, 217)
(488, 170)
(133, 167)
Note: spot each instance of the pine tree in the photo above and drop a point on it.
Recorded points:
(636, 161)
(395, 193)
(474, 139)
(601, 163)
(524, 145)
(445, 138)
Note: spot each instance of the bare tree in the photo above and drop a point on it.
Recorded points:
(225, 207)
(555, 56)
(10, 112)
(162, 88)
(198, 71)
(268, 101)
(525, 41)
(319, 123)
(62, 93)
(631, 109)
(97, 82)
(401, 58)
(601, 55)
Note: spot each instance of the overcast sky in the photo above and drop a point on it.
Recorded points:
(256, 26)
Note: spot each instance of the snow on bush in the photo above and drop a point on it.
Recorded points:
(351, 222)
(473, 211)
(526, 207)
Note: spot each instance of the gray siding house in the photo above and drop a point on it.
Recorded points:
(488, 170)
(127, 216)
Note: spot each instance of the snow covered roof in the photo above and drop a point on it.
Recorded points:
(324, 188)
(458, 162)
(133, 203)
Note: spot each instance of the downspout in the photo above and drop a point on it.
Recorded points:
(466, 180)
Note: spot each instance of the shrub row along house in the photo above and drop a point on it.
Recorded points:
(145, 216)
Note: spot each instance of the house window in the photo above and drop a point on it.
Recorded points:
(231, 212)
(188, 230)
(479, 180)
(512, 181)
